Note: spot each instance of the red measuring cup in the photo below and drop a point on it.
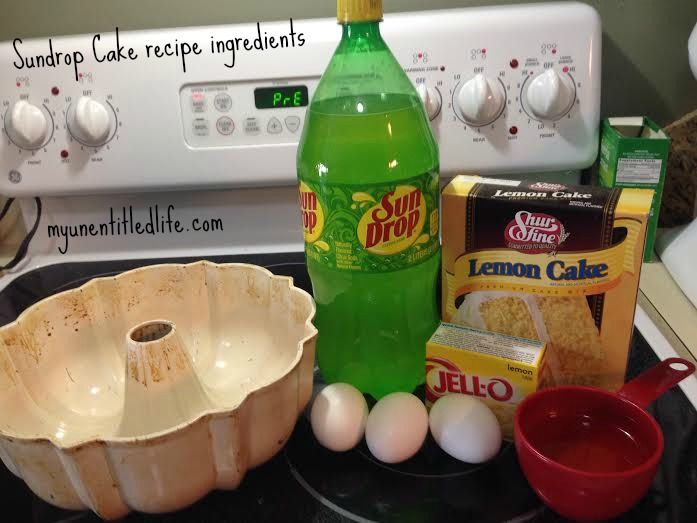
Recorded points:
(591, 454)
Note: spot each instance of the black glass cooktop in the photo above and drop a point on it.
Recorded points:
(306, 483)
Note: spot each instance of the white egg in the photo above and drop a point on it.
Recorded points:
(338, 416)
(397, 427)
(465, 428)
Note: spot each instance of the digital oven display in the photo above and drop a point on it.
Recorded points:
(279, 97)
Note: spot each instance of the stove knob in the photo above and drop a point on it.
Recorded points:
(89, 121)
(430, 97)
(550, 96)
(480, 100)
(26, 125)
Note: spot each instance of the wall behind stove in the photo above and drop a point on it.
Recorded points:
(645, 65)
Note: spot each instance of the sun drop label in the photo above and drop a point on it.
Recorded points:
(373, 228)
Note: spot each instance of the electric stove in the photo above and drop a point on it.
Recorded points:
(306, 483)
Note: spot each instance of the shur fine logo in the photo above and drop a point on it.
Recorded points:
(534, 232)
(394, 223)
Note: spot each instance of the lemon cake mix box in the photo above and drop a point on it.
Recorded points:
(550, 262)
(499, 370)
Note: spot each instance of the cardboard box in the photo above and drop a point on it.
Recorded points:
(634, 153)
(499, 370)
(550, 262)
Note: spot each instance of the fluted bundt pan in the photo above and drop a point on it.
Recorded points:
(147, 390)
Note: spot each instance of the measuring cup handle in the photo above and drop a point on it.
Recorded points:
(649, 385)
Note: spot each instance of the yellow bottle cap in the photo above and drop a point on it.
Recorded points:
(358, 10)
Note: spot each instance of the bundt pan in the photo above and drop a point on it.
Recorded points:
(147, 390)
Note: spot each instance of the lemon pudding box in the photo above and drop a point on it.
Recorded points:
(547, 262)
(499, 370)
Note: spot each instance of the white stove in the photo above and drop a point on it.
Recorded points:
(106, 145)
(510, 89)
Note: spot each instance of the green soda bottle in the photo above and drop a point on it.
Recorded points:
(369, 198)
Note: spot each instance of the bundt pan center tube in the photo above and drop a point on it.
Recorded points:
(147, 390)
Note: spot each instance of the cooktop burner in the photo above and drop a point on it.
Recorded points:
(307, 483)
(432, 486)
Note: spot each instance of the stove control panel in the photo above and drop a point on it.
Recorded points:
(510, 89)
(228, 114)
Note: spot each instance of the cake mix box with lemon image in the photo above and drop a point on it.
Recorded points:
(548, 262)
